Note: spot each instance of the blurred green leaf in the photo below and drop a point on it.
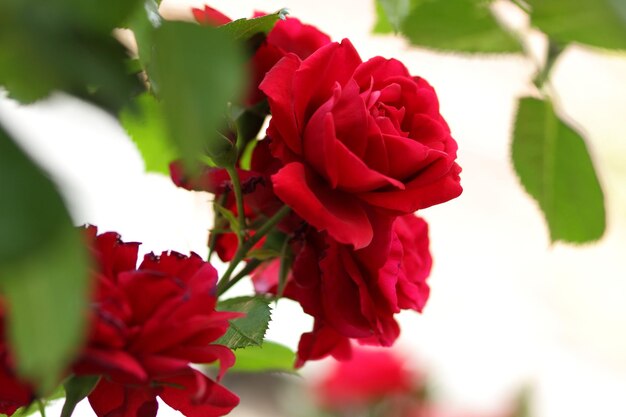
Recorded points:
(457, 25)
(44, 269)
(64, 45)
(244, 29)
(143, 23)
(271, 356)
(263, 254)
(229, 216)
(77, 388)
(145, 124)
(249, 330)
(199, 70)
(382, 24)
(600, 23)
(554, 166)
(26, 227)
(391, 14)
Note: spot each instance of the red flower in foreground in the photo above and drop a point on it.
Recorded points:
(354, 294)
(358, 141)
(287, 36)
(149, 324)
(369, 376)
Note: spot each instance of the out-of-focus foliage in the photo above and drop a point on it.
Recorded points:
(270, 357)
(65, 45)
(447, 25)
(44, 272)
(600, 23)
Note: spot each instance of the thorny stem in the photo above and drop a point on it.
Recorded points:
(250, 266)
(234, 177)
(242, 250)
(216, 218)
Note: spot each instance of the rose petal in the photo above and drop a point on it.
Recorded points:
(209, 16)
(195, 395)
(278, 87)
(109, 399)
(437, 184)
(333, 211)
(318, 74)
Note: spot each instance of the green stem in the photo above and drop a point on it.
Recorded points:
(554, 51)
(216, 219)
(243, 250)
(241, 216)
(42, 408)
(246, 270)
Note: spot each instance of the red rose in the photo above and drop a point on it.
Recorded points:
(149, 324)
(369, 376)
(287, 36)
(358, 140)
(354, 294)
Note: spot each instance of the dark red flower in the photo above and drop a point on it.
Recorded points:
(370, 375)
(354, 294)
(358, 141)
(149, 323)
(287, 36)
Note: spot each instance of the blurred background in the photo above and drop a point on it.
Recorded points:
(508, 310)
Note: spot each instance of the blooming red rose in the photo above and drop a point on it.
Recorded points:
(287, 36)
(358, 140)
(14, 392)
(369, 376)
(354, 294)
(149, 323)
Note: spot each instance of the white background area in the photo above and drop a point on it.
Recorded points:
(507, 310)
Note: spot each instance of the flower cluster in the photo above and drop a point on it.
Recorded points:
(353, 149)
(147, 325)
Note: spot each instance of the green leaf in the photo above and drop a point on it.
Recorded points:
(25, 226)
(391, 14)
(77, 388)
(554, 166)
(199, 69)
(64, 45)
(249, 330)
(143, 23)
(382, 25)
(244, 29)
(600, 23)
(263, 254)
(229, 216)
(145, 124)
(271, 356)
(44, 269)
(457, 25)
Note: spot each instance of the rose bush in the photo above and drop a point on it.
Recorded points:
(359, 141)
(148, 324)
